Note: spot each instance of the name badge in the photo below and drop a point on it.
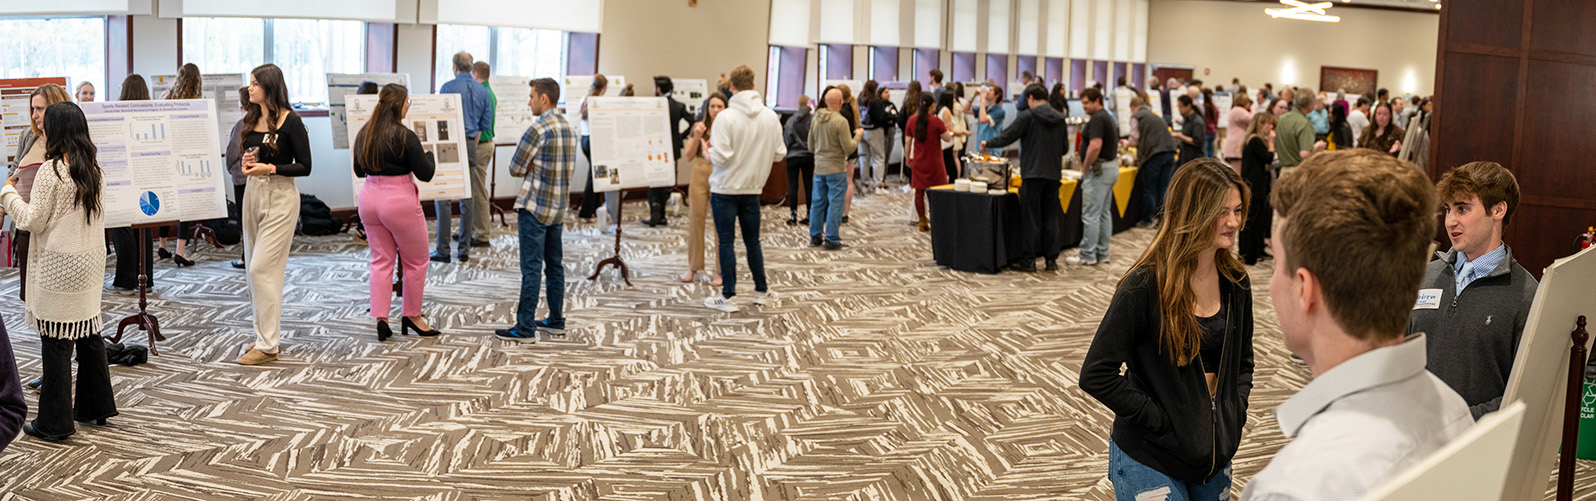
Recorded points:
(1429, 299)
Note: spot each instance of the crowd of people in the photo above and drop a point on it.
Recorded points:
(1378, 340)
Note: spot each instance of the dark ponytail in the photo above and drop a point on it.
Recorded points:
(927, 104)
(67, 138)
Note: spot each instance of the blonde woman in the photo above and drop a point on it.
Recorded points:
(698, 190)
(30, 155)
(1257, 154)
(1181, 320)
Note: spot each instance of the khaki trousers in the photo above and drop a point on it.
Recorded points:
(271, 211)
(480, 198)
(698, 211)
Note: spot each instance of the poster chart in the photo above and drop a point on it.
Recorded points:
(160, 160)
(437, 120)
(854, 87)
(631, 143)
(1155, 101)
(691, 92)
(1223, 101)
(340, 85)
(219, 88)
(513, 115)
(1122, 108)
(15, 113)
(574, 89)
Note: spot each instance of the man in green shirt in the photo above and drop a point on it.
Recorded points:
(483, 149)
(1294, 141)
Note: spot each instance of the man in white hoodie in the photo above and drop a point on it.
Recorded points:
(745, 141)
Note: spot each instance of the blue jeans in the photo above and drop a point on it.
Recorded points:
(1132, 478)
(541, 253)
(1098, 201)
(1153, 180)
(825, 206)
(730, 212)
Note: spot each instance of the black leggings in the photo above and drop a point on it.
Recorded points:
(947, 163)
(800, 170)
(590, 200)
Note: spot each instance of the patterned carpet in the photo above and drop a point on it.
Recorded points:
(876, 375)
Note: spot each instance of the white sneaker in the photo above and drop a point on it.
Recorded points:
(610, 230)
(1077, 261)
(764, 298)
(720, 303)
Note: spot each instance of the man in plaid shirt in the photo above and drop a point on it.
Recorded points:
(545, 160)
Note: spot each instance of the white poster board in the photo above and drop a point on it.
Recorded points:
(15, 110)
(1122, 106)
(1540, 370)
(1467, 466)
(160, 160)
(1155, 102)
(340, 85)
(513, 114)
(220, 88)
(1223, 101)
(691, 92)
(575, 88)
(631, 139)
(438, 121)
(854, 87)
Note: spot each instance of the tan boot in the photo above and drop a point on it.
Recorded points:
(925, 225)
(256, 357)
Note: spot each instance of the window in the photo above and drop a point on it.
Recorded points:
(836, 61)
(306, 49)
(883, 65)
(72, 47)
(784, 78)
(510, 51)
(924, 61)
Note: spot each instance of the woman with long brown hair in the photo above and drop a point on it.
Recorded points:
(1383, 135)
(189, 85)
(698, 189)
(1181, 321)
(1257, 156)
(276, 150)
(390, 157)
(590, 201)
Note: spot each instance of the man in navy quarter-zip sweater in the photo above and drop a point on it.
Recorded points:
(1475, 299)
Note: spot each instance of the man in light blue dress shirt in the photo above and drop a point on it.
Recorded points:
(1353, 230)
(478, 117)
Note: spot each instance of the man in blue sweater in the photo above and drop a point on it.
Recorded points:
(1475, 299)
(478, 111)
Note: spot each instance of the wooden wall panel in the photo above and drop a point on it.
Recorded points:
(1557, 145)
(1484, 108)
(1564, 26)
(1496, 23)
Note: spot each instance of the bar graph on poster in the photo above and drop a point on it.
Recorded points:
(436, 120)
(159, 160)
(631, 143)
(221, 88)
(14, 113)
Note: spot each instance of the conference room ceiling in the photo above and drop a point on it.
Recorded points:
(1414, 5)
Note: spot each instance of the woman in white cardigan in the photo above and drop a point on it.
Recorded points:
(67, 260)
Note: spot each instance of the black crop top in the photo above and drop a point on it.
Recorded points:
(292, 155)
(1213, 341)
(411, 160)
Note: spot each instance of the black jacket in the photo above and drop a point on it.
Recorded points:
(1045, 139)
(879, 115)
(796, 134)
(1163, 414)
(679, 131)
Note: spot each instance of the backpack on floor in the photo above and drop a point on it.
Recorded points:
(316, 219)
(229, 231)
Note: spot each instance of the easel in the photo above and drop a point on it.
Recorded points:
(615, 260)
(1571, 404)
(143, 319)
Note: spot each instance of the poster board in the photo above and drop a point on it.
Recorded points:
(1540, 370)
(513, 114)
(574, 89)
(1122, 108)
(160, 160)
(221, 88)
(1155, 101)
(691, 92)
(15, 115)
(340, 85)
(1467, 466)
(438, 121)
(631, 141)
(854, 86)
(1223, 101)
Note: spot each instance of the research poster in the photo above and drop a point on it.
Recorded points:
(575, 88)
(1122, 109)
(437, 121)
(340, 85)
(691, 92)
(160, 160)
(1222, 102)
(15, 115)
(631, 143)
(222, 89)
(513, 115)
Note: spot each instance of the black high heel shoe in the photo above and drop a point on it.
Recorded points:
(182, 262)
(383, 331)
(163, 253)
(408, 326)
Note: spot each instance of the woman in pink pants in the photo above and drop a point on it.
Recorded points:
(387, 154)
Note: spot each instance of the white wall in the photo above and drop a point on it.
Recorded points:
(1236, 39)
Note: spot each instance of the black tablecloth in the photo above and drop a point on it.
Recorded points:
(974, 232)
(1070, 226)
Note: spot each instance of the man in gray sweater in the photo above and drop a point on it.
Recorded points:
(1475, 299)
(1155, 155)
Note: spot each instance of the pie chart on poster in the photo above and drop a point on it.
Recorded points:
(149, 204)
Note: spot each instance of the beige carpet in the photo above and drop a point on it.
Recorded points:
(876, 375)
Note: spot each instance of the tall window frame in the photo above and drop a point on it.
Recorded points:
(47, 46)
(498, 41)
(341, 49)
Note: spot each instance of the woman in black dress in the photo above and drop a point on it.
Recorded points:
(1257, 155)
